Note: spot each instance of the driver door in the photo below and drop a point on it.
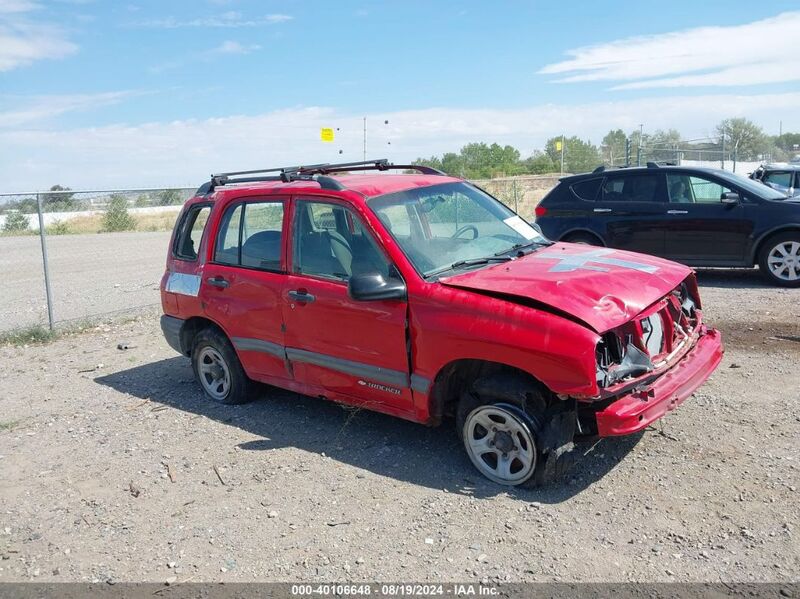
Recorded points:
(349, 350)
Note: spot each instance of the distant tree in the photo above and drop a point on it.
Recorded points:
(613, 147)
(789, 143)
(540, 163)
(61, 200)
(169, 197)
(16, 222)
(743, 138)
(663, 145)
(143, 200)
(478, 161)
(116, 217)
(579, 156)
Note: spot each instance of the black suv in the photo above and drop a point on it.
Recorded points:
(781, 177)
(698, 216)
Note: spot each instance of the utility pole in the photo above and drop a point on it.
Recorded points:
(723, 148)
(365, 138)
(639, 146)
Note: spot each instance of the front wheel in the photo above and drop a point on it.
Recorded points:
(499, 442)
(780, 260)
(218, 370)
(512, 434)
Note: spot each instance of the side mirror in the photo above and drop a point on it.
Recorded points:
(729, 197)
(372, 286)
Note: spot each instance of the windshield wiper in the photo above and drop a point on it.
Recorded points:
(522, 246)
(470, 262)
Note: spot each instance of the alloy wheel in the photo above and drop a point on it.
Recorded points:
(783, 261)
(214, 373)
(500, 444)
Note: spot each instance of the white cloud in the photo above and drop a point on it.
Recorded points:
(17, 6)
(185, 152)
(232, 47)
(755, 53)
(23, 42)
(230, 19)
(36, 109)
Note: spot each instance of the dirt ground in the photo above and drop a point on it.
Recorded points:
(113, 467)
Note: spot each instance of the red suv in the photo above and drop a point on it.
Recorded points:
(421, 296)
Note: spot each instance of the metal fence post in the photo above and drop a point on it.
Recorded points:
(45, 262)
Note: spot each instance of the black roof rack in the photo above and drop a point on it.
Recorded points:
(603, 168)
(313, 172)
(659, 164)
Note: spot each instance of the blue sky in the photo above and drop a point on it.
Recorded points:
(146, 92)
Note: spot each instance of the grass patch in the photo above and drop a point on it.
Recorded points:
(83, 225)
(8, 425)
(28, 335)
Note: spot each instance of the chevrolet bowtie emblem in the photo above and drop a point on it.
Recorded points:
(570, 262)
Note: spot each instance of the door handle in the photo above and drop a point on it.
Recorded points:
(602, 210)
(677, 212)
(301, 296)
(218, 282)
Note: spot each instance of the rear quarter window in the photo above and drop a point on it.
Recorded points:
(587, 190)
(190, 232)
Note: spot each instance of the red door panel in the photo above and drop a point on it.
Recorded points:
(249, 308)
(356, 349)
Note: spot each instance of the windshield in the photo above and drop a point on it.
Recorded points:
(754, 187)
(441, 226)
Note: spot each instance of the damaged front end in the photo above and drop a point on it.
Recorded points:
(652, 340)
(650, 365)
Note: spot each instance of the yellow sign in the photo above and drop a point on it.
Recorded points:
(326, 134)
(558, 145)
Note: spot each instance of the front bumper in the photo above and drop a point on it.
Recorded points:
(636, 410)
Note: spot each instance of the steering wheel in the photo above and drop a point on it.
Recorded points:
(464, 229)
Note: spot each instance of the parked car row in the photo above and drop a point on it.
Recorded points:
(695, 216)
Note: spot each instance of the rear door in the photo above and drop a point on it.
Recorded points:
(182, 278)
(335, 344)
(703, 230)
(629, 211)
(242, 284)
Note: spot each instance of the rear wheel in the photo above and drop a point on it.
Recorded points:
(218, 370)
(583, 238)
(779, 259)
(510, 433)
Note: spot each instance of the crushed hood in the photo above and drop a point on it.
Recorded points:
(601, 287)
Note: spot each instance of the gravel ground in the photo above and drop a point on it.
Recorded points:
(117, 469)
(91, 275)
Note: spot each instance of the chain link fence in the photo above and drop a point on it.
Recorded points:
(72, 257)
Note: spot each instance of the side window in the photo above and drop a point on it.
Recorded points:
(631, 188)
(190, 232)
(251, 235)
(679, 189)
(706, 191)
(396, 219)
(780, 181)
(330, 241)
(587, 190)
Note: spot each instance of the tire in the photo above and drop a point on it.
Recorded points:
(508, 412)
(218, 370)
(779, 259)
(582, 238)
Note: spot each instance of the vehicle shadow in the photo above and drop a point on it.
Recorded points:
(431, 457)
(732, 278)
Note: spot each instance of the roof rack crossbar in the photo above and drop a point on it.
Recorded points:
(313, 172)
